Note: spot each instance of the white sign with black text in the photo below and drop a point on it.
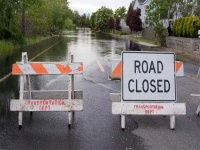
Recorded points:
(148, 76)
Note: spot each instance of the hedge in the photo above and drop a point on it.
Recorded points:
(186, 27)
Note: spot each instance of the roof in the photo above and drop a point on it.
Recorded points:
(142, 1)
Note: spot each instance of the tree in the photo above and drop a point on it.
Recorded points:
(69, 24)
(129, 15)
(83, 21)
(120, 12)
(76, 18)
(136, 24)
(101, 18)
(111, 23)
(87, 23)
(133, 19)
(158, 10)
(197, 11)
(20, 18)
(187, 8)
(160, 32)
(8, 18)
(117, 24)
(92, 21)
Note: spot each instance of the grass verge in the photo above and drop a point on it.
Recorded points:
(8, 46)
(34, 40)
(140, 39)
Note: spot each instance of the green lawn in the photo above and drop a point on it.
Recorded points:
(140, 39)
(8, 46)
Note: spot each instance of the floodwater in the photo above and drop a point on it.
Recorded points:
(86, 46)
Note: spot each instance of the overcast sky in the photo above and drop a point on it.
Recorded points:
(90, 6)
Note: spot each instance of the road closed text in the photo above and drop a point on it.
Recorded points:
(159, 86)
(146, 85)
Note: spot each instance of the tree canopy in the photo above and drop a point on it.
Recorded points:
(167, 9)
(21, 18)
(102, 17)
(120, 12)
(133, 19)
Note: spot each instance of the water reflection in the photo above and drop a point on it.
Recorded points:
(132, 46)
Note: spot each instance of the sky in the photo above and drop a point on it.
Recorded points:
(90, 6)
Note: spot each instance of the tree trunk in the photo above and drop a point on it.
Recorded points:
(23, 23)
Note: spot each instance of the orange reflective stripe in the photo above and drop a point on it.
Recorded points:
(39, 69)
(118, 70)
(178, 65)
(80, 68)
(16, 69)
(64, 69)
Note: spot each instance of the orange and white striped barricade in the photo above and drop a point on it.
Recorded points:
(116, 69)
(179, 69)
(148, 86)
(46, 100)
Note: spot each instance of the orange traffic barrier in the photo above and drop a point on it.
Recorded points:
(179, 69)
(116, 69)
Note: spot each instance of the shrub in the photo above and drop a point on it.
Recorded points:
(186, 27)
(161, 33)
(174, 27)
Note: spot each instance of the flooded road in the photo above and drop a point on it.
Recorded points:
(48, 130)
(95, 127)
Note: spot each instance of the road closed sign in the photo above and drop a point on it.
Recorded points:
(148, 76)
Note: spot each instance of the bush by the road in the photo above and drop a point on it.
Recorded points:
(186, 27)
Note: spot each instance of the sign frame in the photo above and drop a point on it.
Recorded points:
(148, 100)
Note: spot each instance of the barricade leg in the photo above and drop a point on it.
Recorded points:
(20, 118)
(70, 89)
(198, 72)
(69, 119)
(172, 122)
(123, 122)
(198, 110)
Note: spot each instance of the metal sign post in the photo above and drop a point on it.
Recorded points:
(148, 86)
(51, 100)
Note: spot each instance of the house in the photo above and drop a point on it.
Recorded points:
(142, 5)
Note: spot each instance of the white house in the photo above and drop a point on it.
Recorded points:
(142, 5)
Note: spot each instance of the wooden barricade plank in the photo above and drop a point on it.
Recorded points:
(148, 108)
(52, 94)
(47, 105)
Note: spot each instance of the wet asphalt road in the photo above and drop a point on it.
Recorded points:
(95, 128)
